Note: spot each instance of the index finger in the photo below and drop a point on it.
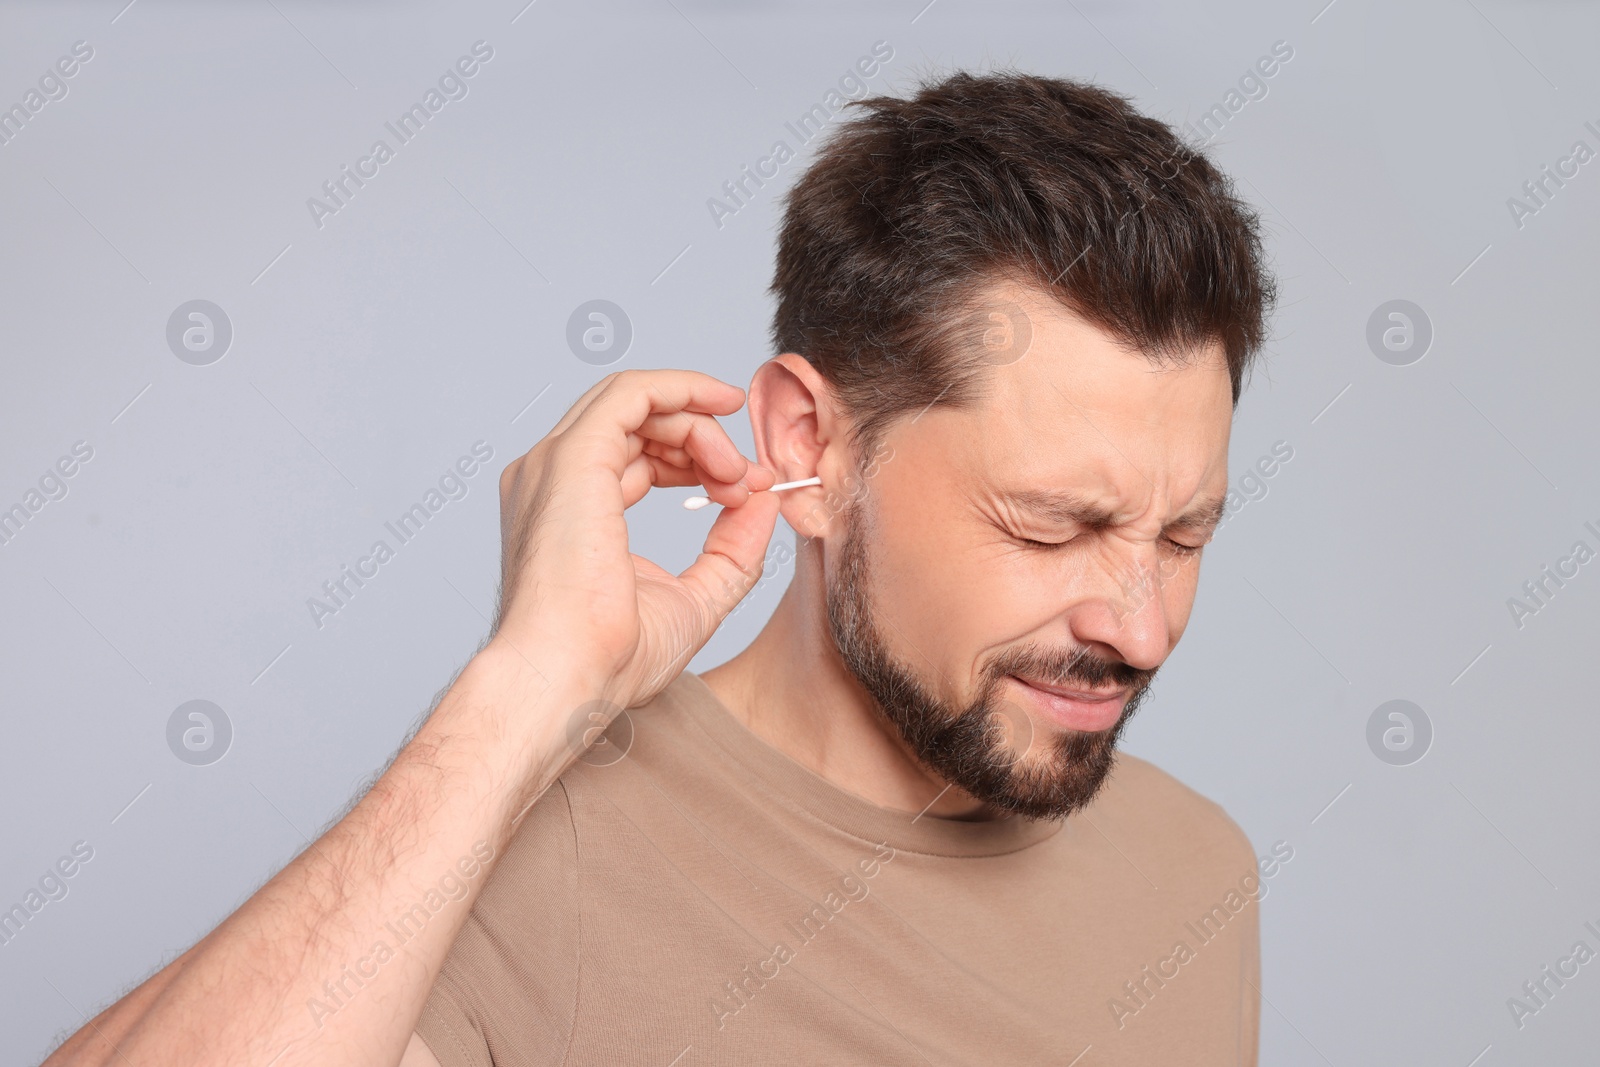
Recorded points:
(686, 390)
(609, 425)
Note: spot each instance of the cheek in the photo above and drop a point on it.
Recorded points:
(942, 593)
(918, 578)
(1178, 591)
(946, 586)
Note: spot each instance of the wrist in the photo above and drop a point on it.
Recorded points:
(503, 725)
(539, 665)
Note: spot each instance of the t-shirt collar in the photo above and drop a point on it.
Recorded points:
(807, 793)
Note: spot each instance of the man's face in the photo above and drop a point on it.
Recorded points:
(1046, 535)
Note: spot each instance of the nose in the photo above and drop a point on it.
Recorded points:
(1128, 622)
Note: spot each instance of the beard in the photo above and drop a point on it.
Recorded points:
(989, 748)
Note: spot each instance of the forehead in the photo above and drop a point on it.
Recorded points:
(1065, 405)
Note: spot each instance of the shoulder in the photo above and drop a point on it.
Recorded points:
(543, 846)
(1145, 807)
(510, 976)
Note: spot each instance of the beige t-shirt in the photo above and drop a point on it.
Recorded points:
(705, 899)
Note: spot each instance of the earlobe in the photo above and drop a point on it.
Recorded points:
(812, 519)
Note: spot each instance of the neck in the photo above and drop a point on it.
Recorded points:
(791, 689)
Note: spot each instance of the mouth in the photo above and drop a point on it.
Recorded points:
(1089, 710)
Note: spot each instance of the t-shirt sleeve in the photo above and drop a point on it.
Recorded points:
(1235, 844)
(1250, 985)
(507, 992)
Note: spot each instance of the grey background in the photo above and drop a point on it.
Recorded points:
(431, 311)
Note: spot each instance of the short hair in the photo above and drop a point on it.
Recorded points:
(915, 206)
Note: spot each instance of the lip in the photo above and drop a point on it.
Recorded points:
(1076, 709)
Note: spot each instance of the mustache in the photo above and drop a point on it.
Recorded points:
(1076, 669)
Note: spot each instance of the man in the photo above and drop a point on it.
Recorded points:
(1014, 317)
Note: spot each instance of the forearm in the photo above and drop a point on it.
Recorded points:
(330, 961)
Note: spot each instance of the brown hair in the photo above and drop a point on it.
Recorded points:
(914, 207)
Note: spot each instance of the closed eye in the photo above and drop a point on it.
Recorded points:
(1031, 543)
(1177, 546)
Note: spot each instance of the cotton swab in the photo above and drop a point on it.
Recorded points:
(694, 503)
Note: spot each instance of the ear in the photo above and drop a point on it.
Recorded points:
(799, 433)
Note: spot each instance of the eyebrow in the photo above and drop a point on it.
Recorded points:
(1064, 505)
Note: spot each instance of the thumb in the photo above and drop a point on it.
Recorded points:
(730, 564)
